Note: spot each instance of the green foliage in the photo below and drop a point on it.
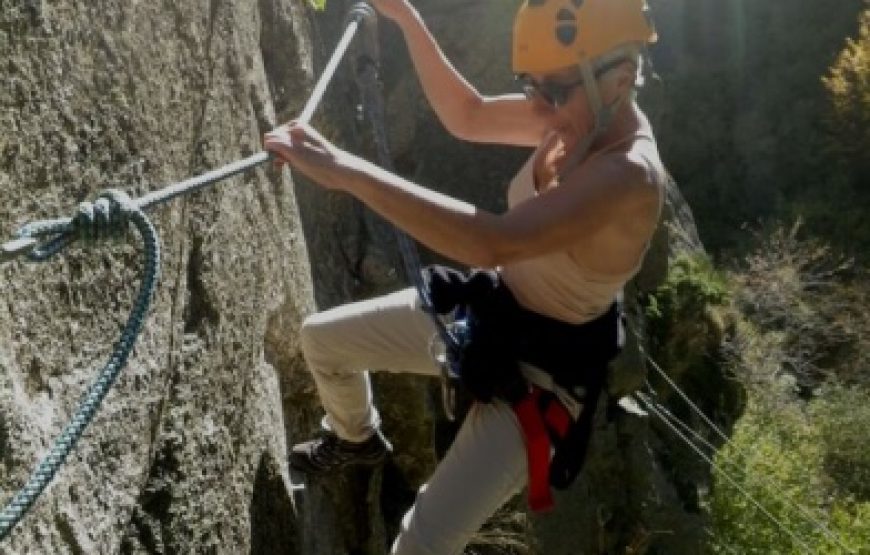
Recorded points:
(843, 416)
(685, 325)
(690, 286)
(318, 4)
(689, 320)
(837, 207)
(800, 447)
(848, 84)
(758, 126)
(787, 456)
(795, 291)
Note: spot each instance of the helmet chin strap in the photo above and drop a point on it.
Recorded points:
(602, 113)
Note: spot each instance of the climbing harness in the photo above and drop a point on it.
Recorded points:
(684, 431)
(546, 424)
(110, 214)
(529, 361)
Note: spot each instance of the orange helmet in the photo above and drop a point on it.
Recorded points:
(550, 35)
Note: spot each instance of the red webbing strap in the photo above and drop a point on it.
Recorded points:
(537, 450)
(534, 426)
(558, 418)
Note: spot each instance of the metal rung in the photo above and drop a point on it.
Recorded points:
(17, 247)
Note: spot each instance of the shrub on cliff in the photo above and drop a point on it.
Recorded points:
(801, 441)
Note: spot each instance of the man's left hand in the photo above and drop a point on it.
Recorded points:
(306, 150)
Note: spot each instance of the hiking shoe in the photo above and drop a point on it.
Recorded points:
(329, 453)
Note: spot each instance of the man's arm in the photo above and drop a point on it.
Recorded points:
(508, 119)
(610, 190)
(607, 190)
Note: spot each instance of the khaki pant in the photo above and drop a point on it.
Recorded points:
(486, 464)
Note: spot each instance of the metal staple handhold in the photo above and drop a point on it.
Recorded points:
(11, 250)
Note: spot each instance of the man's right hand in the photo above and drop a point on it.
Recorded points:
(397, 10)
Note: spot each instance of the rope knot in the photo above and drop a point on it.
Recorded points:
(105, 218)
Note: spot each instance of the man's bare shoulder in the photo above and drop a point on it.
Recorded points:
(624, 176)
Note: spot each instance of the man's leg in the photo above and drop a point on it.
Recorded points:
(483, 469)
(389, 332)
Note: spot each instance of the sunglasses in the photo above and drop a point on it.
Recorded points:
(553, 93)
(557, 93)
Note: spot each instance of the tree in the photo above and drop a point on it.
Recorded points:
(849, 86)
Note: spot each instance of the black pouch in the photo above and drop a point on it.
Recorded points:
(500, 333)
(489, 366)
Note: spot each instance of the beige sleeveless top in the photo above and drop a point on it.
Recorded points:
(557, 284)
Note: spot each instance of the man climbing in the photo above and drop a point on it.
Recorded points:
(542, 310)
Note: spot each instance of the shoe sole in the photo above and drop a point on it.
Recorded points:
(302, 464)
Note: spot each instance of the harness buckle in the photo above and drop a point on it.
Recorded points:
(448, 395)
(449, 384)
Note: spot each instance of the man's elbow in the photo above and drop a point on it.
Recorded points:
(480, 257)
(502, 251)
(461, 124)
(483, 253)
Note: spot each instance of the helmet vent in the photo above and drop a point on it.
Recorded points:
(565, 15)
(566, 27)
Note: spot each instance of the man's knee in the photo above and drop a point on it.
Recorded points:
(317, 341)
(308, 333)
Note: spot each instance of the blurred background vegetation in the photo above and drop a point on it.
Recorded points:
(763, 118)
(762, 115)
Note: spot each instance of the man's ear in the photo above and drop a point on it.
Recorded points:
(627, 74)
(620, 80)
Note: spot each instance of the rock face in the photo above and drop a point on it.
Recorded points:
(187, 453)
